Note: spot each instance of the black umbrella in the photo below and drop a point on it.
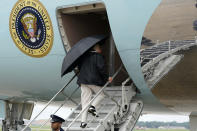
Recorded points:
(72, 57)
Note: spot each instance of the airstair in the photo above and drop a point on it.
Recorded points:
(120, 110)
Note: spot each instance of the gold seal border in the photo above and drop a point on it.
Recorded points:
(50, 24)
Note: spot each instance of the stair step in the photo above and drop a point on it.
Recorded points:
(80, 129)
(91, 123)
(77, 124)
(101, 114)
(106, 102)
(96, 120)
(114, 94)
(105, 111)
(116, 87)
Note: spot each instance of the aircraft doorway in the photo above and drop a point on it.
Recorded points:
(76, 23)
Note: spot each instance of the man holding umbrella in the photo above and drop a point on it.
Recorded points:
(86, 54)
(91, 78)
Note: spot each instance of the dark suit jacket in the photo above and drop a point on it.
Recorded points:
(61, 129)
(92, 70)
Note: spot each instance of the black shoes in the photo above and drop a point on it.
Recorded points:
(92, 110)
(83, 125)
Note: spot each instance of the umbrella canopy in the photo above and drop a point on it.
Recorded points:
(72, 57)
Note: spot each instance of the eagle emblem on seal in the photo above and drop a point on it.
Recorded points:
(29, 22)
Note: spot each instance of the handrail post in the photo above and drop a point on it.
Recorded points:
(196, 39)
(124, 96)
(94, 98)
(169, 48)
(50, 102)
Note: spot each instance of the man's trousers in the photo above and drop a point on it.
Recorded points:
(86, 96)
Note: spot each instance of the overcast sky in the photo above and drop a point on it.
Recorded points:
(64, 112)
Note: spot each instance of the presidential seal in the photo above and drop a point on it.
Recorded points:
(31, 28)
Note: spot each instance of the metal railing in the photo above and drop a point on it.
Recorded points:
(101, 90)
(165, 54)
(50, 102)
(171, 47)
(58, 109)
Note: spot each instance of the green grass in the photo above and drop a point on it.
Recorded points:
(46, 128)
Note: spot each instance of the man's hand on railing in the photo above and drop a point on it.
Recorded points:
(110, 79)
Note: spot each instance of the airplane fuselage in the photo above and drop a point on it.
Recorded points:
(26, 77)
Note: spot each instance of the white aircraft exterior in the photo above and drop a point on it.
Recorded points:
(36, 34)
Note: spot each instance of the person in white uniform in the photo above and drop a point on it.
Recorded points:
(92, 76)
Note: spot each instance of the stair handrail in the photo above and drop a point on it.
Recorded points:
(62, 89)
(58, 109)
(107, 83)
